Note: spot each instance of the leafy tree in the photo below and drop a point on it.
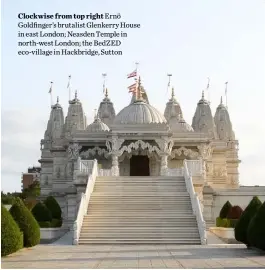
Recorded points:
(26, 222)
(54, 207)
(256, 229)
(235, 212)
(33, 190)
(244, 221)
(11, 236)
(225, 210)
(41, 212)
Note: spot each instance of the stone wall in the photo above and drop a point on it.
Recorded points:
(214, 200)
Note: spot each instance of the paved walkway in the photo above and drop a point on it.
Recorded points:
(135, 256)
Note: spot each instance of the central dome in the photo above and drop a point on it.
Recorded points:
(139, 112)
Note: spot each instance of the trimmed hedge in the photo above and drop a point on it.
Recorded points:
(41, 212)
(11, 236)
(56, 223)
(244, 221)
(235, 212)
(226, 223)
(225, 210)
(26, 222)
(54, 207)
(256, 229)
(45, 224)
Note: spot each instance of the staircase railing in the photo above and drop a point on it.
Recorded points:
(82, 210)
(85, 166)
(196, 207)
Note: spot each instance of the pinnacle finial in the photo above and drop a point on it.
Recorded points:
(203, 94)
(172, 93)
(57, 99)
(221, 102)
(75, 94)
(139, 92)
(95, 113)
(106, 93)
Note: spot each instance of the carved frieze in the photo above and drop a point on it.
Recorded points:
(165, 145)
(95, 151)
(219, 171)
(114, 144)
(73, 150)
(185, 151)
(139, 145)
(205, 150)
(209, 168)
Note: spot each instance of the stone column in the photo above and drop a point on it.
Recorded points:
(115, 165)
(164, 167)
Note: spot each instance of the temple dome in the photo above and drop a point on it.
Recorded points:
(139, 112)
(97, 126)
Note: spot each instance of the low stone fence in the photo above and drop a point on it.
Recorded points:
(49, 235)
(225, 234)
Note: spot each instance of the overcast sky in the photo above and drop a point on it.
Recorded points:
(191, 39)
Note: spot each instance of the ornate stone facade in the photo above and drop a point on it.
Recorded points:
(138, 130)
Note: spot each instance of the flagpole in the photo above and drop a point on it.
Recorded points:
(51, 93)
(226, 93)
(136, 69)
(69, 87)
(169, 82)
(208, 90)
(104, 75)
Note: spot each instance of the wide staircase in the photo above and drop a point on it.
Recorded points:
(140, 210)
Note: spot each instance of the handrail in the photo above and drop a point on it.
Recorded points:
(196, 207)
(82, 210)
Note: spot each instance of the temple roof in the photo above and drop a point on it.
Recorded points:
(139, 112)
(97, 126)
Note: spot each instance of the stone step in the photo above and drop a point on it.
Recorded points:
(147, 223)
(142, 180)
(147, 189)
(139, 218)
(132, 194)
(149, 229)
(139, 213)
(125, 203)
(133, 178)
(178, 241)
(137, 210)
(136, 234)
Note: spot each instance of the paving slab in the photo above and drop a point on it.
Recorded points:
(135, 256)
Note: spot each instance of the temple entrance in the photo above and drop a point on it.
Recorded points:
(139, 166)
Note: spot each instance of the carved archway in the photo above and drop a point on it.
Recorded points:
(139, 145)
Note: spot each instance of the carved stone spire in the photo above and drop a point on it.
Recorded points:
(223, 123)
(106, 111)
(75, 119)
(203, 120)
(172, 109)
